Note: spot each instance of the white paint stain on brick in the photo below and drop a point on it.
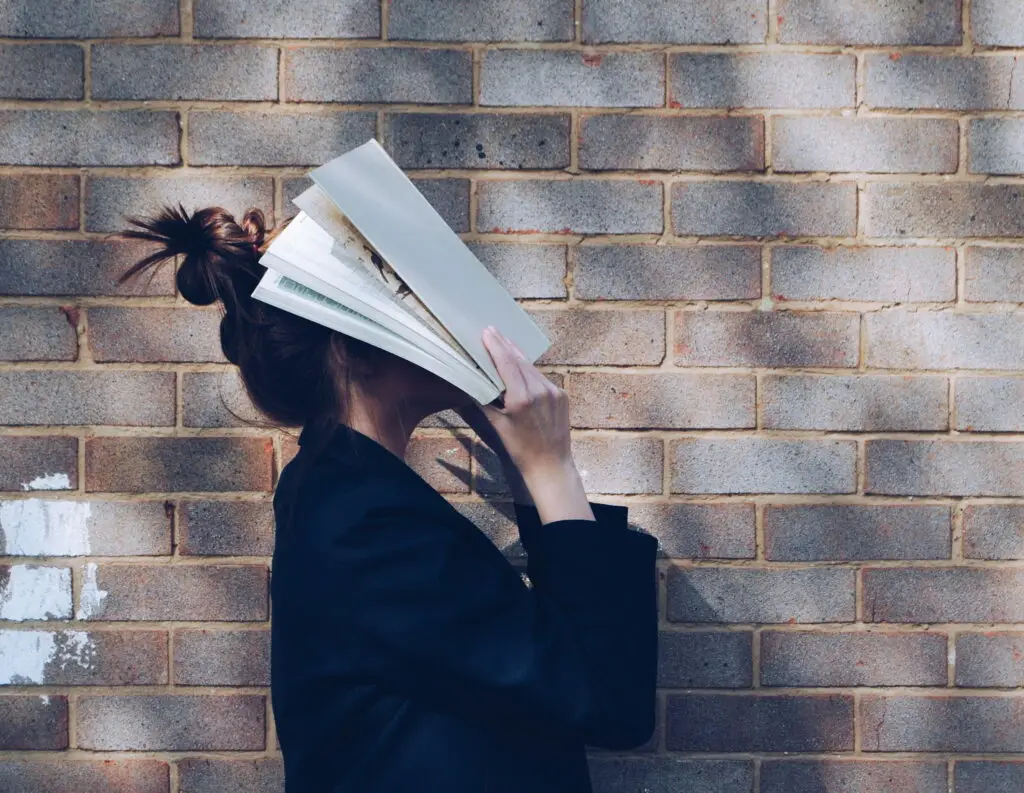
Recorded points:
(26, 655)
(48, 482)
(92, 596)
(34, 527)
(36, 593)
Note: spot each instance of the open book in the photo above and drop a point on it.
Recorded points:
(368, 256)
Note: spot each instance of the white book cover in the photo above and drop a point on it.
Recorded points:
(370, 257)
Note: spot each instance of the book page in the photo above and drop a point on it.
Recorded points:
(350, 245)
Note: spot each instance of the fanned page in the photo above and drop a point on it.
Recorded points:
(282, 292)
(350, 245)
(303, 253)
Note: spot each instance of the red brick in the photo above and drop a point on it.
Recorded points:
(80, 658)
(226, 528)
(222, 658)
(78, 776)
(171, 722)
(155, 335)
(35, 722)
(179, 592)
(178, 464)
(31, 463)
(44, 201)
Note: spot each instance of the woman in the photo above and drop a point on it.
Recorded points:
(407, 653)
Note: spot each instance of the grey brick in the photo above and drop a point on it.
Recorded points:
(763, 209)
(481, 20)
(41, 71)
(776, 80)
(943, 82)
(891, 776)
(988, 776)
(698, 531)
(852, 22)
(759, 723)
(444, 462)
(122, 398)
(378, 74)
(38, 463)
(222, 658)
(880, 145)
(217, 399)
(184, 71)
(89, 137)
(738, 595)
(763, 465)
(851, 532)
(942, 724)
(493, 140)
(578, 206)
(39, 201)
(856, 403)
(766, 339)
(945, 340)
(288, 19)
(665, 774)
(449, 197)
(203, 775)
(996, 23)
(902, 275)
(994, 275)
(675, 21)
(616, 465)
(88, 18)
(990, 660)
(675, 143)
(226, 528)
(37, 334)
(668, 272)
(34, 722)
(945, 210)
(147, 335)
(235, 593)
(75, 528)
(852, 659)
(526, 271)
(572, 79)
(691, 659)
(990, 404)
(956, 594)
(661, 401)
(994, 531)
(995, 145)
(77, 267)
(595, 338)
(947, 468)
(109, 199)
(276, 138)
(175, 722)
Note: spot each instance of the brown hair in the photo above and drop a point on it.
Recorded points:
(296, 372)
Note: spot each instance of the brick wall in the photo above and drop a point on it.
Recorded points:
(777, 244)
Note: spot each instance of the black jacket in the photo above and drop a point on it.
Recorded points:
(409, 656)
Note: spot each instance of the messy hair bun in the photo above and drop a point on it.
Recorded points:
(295, 371)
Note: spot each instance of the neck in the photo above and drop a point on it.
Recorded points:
(388, 421)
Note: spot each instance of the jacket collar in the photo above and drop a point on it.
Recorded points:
(349, 447)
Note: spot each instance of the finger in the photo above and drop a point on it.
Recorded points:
(507, 365)
(514, 347)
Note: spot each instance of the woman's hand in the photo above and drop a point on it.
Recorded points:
(533, 428)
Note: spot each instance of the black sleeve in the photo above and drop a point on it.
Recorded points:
(430, 614)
